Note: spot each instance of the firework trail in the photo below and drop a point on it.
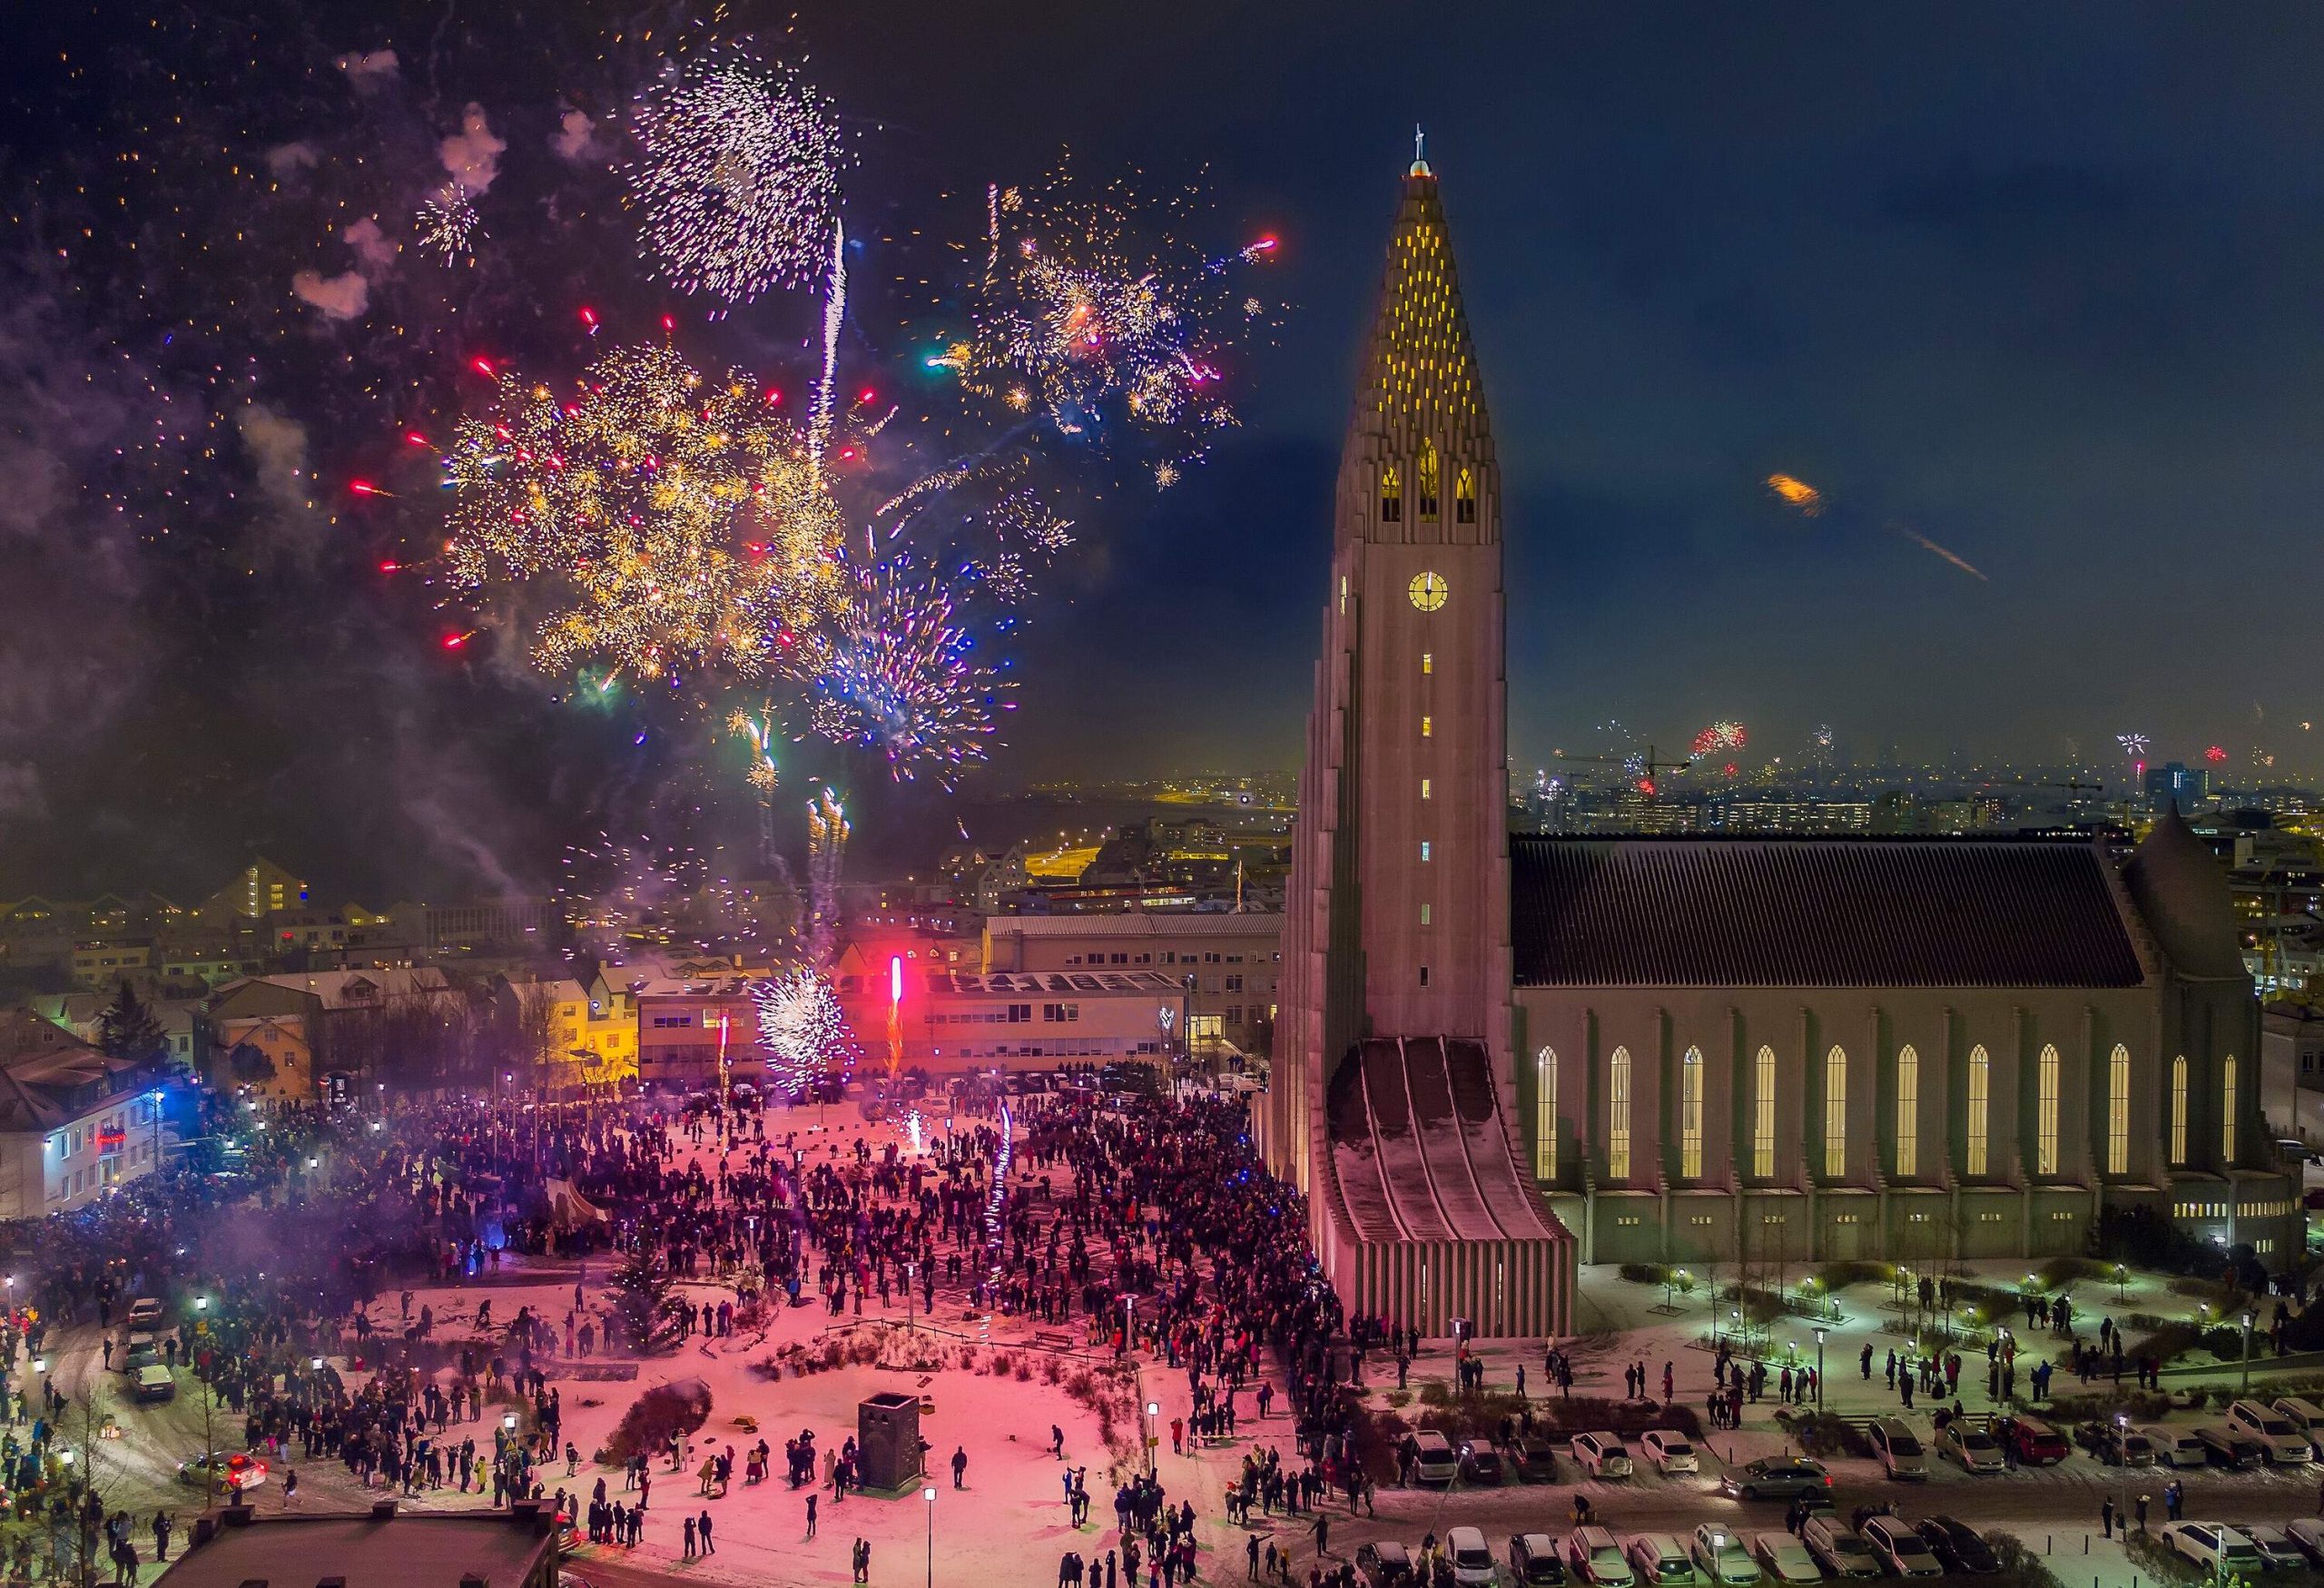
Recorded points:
(827, 835)
(737, 177)
(1811, 502)
(1925, 542)
(834, 313)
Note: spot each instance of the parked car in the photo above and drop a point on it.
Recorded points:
(2212, 1545)
(1777, 1477)
(1722, 1557)
(1535, 1458)
(2308, 1532)
(1661, 1559)
(2176, 1446)
(1669, 1451)
(1975, 1449)
(1434, 1459)
(2284, 1441)
(2276, 1546)
(2223, 1446)
(1897, 1449)
(1471, 1557)
(145, 1313)
(1482, 1465)
(1534, 1561)
(1385, 1565)
(1784, 1558)
(1601, 1456)
(220, 1473)
(1958, 1547)
(1895, 1544)
(1836, 1549)
(2115, 1444)
(1594, 1557)
(2036, 1442)
(2306, 1415)
(154, 1383)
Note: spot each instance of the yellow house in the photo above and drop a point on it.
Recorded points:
(589, 1034)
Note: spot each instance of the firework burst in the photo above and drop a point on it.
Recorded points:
(447, 222)
(736, 181)
(668, 522)
(901, 680)
(803, 1028)
(1719, 735)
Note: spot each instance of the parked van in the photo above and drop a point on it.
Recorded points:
(1898, 1449)
(2176, 1446)
(1472, 1559)
(1435, 1461)
(2306, 1415)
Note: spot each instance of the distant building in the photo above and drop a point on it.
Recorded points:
(2173, 783)
(950, 1020)
(1228, 964)
(687, 1026)
(75, 1123)
(2291, 1070)
(282, 1036)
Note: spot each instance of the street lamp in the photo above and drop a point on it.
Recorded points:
(2247, 1353)
(2122, 1281)
(929, 1494)
(1820, 1332)
(1153, 1412)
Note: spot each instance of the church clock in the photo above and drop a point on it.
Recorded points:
(1428, 591)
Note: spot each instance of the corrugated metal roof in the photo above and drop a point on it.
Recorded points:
(1139, 923)
(1815, 913)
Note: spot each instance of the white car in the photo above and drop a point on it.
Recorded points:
(1661, 1559)
(2304, 1414)
(1471, 1558)
(1670, 1452)
(1837, 1550)
(1435, 1461)
(1722, 1557)
(1602, 1455)
(1784, 1557)
(1893, 1543)
(2213, 1545)
(1977, 1450)
(1897, 1449)
(1594, 1558)
(2175, 1446)
(2285, 1441)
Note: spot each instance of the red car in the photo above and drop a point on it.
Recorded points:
(2036, 1442)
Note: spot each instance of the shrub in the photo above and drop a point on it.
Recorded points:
(2020, 1566)
(2152, 1557)
(2060, 1273)
(1435, 1393)
(1585, 1412)
(1825, 1433)
(664, 1411)
(1840, 1275)
(1645, 1273)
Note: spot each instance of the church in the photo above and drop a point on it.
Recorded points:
(1500, 1057)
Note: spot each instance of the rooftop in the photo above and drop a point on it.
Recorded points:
(410, 1550)
(1139, 923)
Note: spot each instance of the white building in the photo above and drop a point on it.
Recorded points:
(73, 1122)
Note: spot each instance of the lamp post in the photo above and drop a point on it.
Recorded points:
(2122, 1281)
(929, 1494)
(2247, 1353)
(1820, 1332)
(1153, 1415)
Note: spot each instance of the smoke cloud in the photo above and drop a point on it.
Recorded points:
(297, 156)
(576, 138)
(340, 297)
(472, 155)
(372, 248)
(368, 72)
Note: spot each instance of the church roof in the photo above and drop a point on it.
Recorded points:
(1816, 913)
(1419, 367)
(2181, 891)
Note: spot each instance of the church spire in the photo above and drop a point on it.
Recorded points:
(1419, 374)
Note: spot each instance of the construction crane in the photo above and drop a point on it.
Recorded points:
(1654, 766)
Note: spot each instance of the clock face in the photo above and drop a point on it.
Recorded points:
(1428, 591)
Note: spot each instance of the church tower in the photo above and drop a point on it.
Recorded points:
(1392, 1075)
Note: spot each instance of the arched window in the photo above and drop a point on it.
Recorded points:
(1428, 473)
(1392, 496)
(1763, 1115)
(1464, 496)
(1690, 1115)
(2045, 1113)
(2227, 1113)
(1545, 1115)
(2118, 1112)
(1981, 1092)
(2179, 1110)
(1618, 1116)
(1908, 1112)
(1836, 1115)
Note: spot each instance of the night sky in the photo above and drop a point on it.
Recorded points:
(2039, 288)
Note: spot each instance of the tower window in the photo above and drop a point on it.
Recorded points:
(2118, 1112)
(1836, 1114)
(1423, 788)
(1908, 1112)
(1423, 851)
(1763, 1115)
(1427, 662)
(1427, 726)
(2045, 1112)
(1618, 1116)
(1428, 481)
(1464, 496)
(1424, 975)
(1545, 1115)
(2179, 1110)
(1981, 1073)
(2227, 1113)
(1690, 1115)
(1423, 915)
(1391, 497)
